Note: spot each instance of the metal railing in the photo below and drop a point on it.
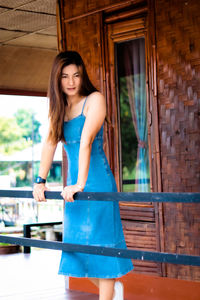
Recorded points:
(27, 230)
(160, 257)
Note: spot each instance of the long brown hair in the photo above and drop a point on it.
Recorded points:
(58, 100)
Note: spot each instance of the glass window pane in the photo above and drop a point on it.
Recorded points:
(131, 73)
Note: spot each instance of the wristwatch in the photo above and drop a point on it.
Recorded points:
(40, 180)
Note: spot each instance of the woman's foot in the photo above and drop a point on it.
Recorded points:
(118, 291)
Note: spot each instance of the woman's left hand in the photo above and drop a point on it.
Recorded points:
(69, 191)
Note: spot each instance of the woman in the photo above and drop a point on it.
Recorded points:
(77, 112)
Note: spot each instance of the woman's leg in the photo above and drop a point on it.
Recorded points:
(106, 289)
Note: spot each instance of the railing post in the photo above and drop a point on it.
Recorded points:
(27, 234)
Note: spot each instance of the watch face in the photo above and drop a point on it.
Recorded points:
(40, 180)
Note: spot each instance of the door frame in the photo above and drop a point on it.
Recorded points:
(122, 31)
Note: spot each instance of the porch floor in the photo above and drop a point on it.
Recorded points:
(34, 276)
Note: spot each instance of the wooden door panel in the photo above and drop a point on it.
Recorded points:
(139, 220)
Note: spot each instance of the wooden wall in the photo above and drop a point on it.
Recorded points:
(83, 35)
(178, 61)
(173, 63)
(76, 8)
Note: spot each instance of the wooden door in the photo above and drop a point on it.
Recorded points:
(140, 221)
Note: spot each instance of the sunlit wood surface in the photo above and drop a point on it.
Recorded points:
(34, 276)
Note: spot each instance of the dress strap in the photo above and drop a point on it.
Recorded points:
(83, 106)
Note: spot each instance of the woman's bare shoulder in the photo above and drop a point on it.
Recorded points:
(95, 94)
(95, 103)
(96, 97)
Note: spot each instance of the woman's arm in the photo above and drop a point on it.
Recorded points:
(48, 151)
(95, 115)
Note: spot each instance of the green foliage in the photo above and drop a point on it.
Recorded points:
(11, 136)
(16, 133)
(128, 136)
(9, 130)
(26, 120)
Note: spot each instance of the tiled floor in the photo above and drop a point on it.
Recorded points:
(34, 277)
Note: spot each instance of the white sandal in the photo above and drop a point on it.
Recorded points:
(118, 291)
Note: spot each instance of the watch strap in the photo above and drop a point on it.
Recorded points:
(40, 180)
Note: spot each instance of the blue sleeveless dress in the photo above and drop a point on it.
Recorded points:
(88, 222)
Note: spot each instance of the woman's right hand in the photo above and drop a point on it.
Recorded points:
(38, 192)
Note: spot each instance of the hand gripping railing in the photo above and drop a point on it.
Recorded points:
(161, 257)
